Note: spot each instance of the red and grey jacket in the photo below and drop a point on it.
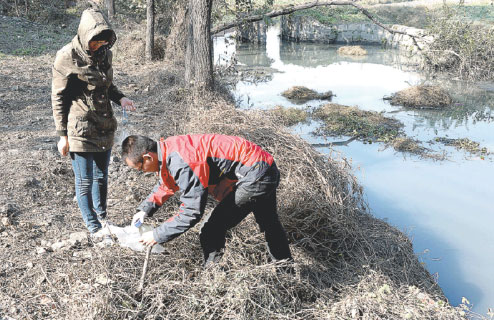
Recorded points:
(196, 165)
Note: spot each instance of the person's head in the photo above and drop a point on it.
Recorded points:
(140, 153)
(95, 34)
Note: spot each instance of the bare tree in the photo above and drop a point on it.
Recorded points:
(110, 5)
(150, 30)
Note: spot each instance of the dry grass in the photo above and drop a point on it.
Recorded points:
(352, 51)
(300, 94)
(422, 96)
(289, 116)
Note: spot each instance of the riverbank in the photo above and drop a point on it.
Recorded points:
(348, 263)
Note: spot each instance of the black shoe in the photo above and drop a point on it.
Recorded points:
(212, 259)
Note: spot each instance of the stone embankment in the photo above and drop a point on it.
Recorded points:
(308, 29)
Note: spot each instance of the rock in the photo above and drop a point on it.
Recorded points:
(115, 159)
(13, 151)
(40, 250)
(6, 221)
(29, 265)
(30, 182)
(102, 279)
(7, 210)
(59, 245)
(77, 237)
(41, 280)
(45, 243)
(82, 254)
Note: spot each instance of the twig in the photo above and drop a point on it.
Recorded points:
(144, 270)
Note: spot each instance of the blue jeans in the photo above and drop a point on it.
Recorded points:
(91, 185)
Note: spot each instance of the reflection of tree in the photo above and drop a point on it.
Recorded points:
(253, 55)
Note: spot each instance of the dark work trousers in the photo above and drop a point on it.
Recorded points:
(258, 197)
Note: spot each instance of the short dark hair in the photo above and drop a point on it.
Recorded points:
(134, 147)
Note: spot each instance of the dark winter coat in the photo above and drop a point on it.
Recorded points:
(82, 88)
(197, 165)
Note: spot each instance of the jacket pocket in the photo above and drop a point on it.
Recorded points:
(82, 128)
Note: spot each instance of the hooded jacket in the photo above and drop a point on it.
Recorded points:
(197, 165)
(82, 87)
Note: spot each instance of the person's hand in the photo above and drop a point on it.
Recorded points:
(138, 218)
(147, 239)
(63, 145)
(127, 104)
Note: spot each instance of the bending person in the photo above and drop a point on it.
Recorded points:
(236, 171)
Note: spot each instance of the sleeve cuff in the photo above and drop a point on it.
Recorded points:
(118, 98)
(62, 133)
(156, 236)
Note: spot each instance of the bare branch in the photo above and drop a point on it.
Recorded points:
(292, 8)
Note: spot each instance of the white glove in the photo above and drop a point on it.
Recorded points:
(138, 219)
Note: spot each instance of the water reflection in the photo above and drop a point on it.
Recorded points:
(445, 207)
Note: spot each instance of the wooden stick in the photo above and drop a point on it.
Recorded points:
(144, 270)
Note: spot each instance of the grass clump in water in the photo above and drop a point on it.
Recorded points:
(464, 144)
(300, 94)
(289, 116)
(421, 96)
(352, 51)
(369, 126)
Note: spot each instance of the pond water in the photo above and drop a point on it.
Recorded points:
(445, 207)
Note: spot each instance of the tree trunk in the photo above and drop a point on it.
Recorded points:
(110, 5)
(199, 62)
(189, 50)
(176, 41)
(150, 30)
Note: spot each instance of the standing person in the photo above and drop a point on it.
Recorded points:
(82, 88)
(198, 164)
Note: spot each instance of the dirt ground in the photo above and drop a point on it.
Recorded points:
(37, 204)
